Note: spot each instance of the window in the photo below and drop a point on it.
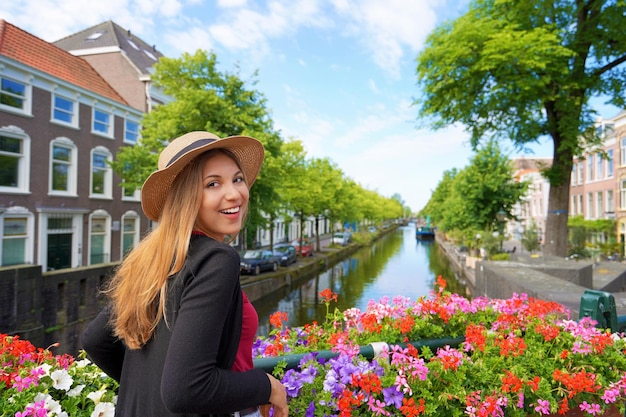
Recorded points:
(13, 95)
(64, 110)
(16, 244)
(131, 131)
(99, 237)
(63, 167)
(573, 209)
(590, 214)
(130, 231)
(590, 168)
(101, 175)
(102, 122)
(610, 205)
(622, 194)
(574, 173)
(14, 160)
(599, 167)
(580, 172)
(599, 205)
(609, 163)
(623, 151)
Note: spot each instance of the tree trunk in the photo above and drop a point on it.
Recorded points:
(317, 233)
(555, 243)
(560, 176)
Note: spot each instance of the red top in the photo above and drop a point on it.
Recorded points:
(243, 361)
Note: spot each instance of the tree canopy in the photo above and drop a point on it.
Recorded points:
(526, 70)
(469, 200)
(289, 184)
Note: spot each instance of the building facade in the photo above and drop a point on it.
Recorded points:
(61, 206)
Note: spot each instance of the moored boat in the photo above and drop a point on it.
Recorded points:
(424, 232)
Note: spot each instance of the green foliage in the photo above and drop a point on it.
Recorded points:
(500, 257)
(592, 237)
(470, 199)
(530, 237)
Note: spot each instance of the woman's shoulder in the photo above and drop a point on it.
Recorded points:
(200, 244)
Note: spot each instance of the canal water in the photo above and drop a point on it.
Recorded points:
(396, 264)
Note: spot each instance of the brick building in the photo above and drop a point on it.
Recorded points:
(60, 122)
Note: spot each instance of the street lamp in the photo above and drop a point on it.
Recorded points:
(501, 218)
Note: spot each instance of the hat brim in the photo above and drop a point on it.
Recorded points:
(248, 151)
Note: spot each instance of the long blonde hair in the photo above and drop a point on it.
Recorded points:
(140, 282)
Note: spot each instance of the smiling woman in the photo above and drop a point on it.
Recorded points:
(199, 198)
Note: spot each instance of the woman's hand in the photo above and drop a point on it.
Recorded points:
(278, 397)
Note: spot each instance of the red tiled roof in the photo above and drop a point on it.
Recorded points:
(30, 50)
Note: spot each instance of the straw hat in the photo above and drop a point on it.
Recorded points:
(248, 151)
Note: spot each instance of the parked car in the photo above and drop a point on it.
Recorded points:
(307, 247)
(258, 260)
(340, 238)
(372, 229)
(286, 254)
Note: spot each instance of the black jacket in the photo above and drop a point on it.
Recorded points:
(184, 370)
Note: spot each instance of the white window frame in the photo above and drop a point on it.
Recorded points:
(622, 149)
(109, 124)
(72, 167)
(134, 135)
(574, 173)
(599, 167)
(18, 212)
(73, 112)
(26, 98)
(108, 173)
(590, 206)
(581, 176)
(23, 164)
(130, 215)
(622, 194)
(106, 233)
(599, 205)
(610, 202)
(589, 168)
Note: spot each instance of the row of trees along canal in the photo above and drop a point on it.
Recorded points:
(394, 265)
(290, 183)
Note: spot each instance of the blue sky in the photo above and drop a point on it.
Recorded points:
(339, 75)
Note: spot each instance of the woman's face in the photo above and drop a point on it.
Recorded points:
(224, 197)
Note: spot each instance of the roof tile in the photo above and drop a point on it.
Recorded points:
(30, 50)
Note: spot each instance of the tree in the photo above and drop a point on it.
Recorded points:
(205, 99)
(526, 70)
(475, 195)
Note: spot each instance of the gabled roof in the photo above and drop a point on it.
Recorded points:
(34, 52)
(108, 37)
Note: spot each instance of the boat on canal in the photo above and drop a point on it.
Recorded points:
(424, 230)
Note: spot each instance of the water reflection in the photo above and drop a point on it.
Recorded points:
(396, 264)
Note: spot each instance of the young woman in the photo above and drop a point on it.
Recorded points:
(178, 331)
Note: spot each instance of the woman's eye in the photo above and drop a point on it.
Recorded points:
(212, 184)
(239, 179)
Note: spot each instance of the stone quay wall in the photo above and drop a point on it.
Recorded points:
(539, 276)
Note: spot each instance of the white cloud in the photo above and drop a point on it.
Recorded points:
(372, 85)
(386, 28)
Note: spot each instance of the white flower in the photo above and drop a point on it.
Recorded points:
(53, 406)
(104, 409)
(46, 368)
(61, 380)
(75, 392)
(96, 395)
(82, 363)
